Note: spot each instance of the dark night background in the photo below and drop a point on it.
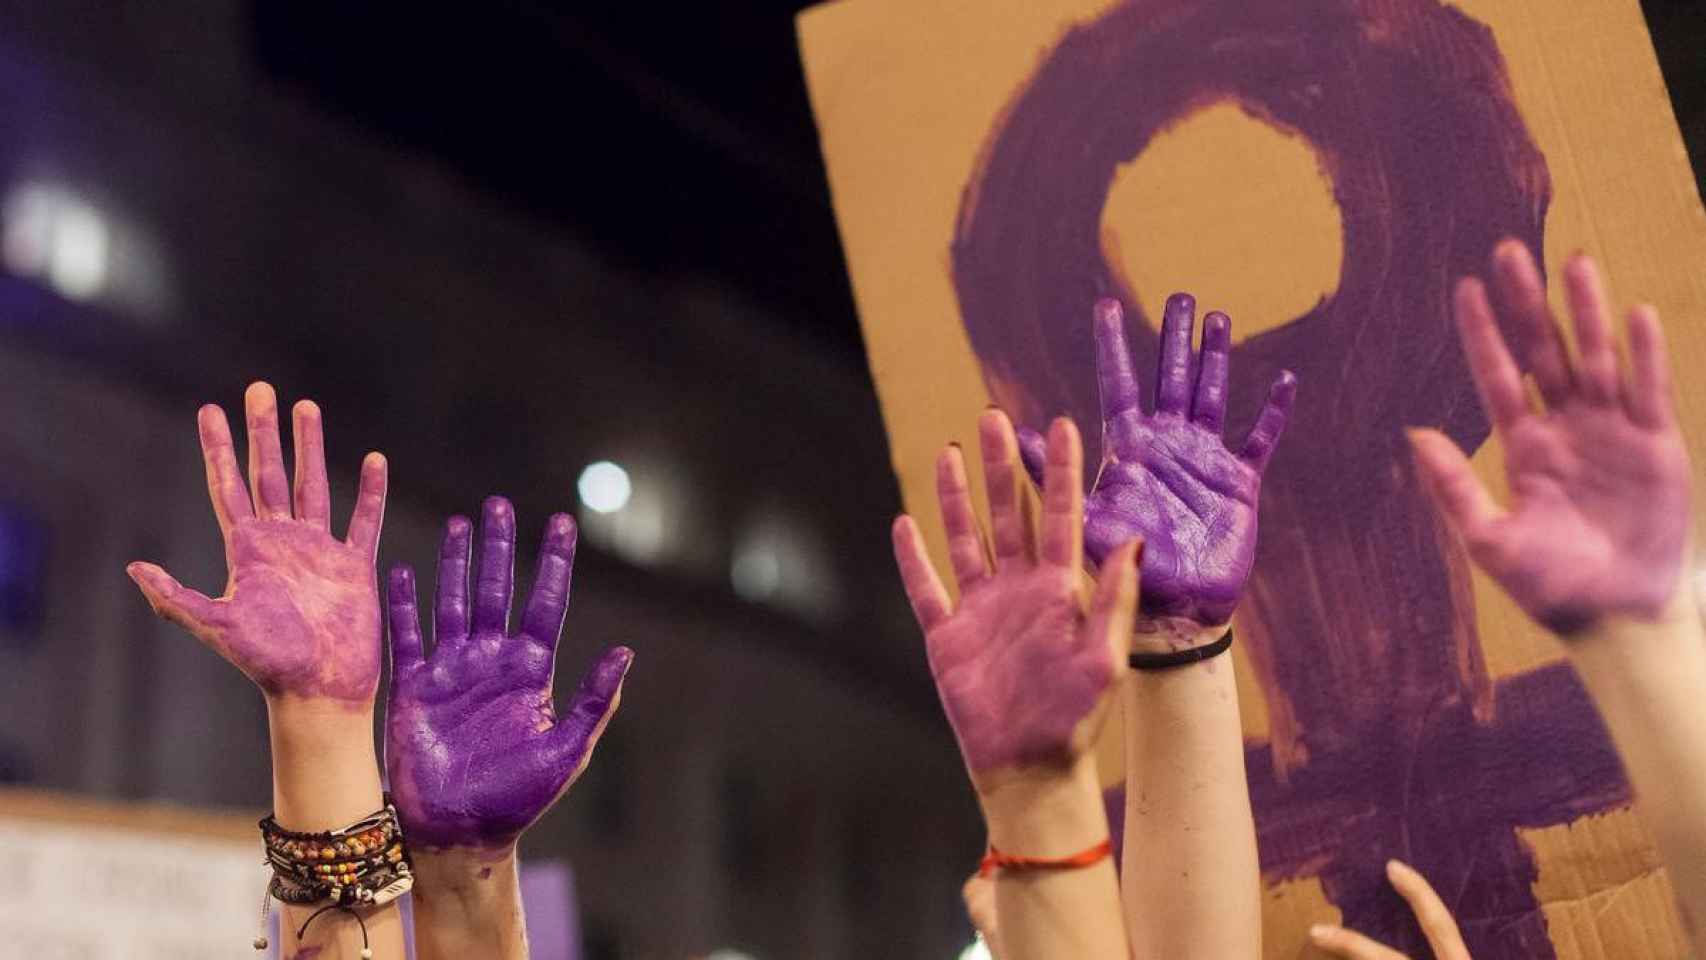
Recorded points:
(499, 241)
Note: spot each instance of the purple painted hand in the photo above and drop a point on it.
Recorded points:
(1600, 515)
(1023, 671)
(475, 750)
(300, 612)
(1167, 476)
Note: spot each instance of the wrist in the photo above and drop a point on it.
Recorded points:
(1640, 649)
(1172, 634)
(464, 875)
(1052, 813)
(325, 767)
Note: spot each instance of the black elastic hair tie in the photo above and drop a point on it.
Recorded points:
(1182, 658)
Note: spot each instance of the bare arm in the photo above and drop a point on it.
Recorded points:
(1191, 884)
(300, 617)
(1594, 542)
(1026, 674)
(475, 748)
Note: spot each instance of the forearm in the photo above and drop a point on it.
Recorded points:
(1069, 913)
(1190, 882)
(1649, 683)
(468, 904)
(326, 776)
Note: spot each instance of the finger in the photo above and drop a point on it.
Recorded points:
(1436, 921)
(1264, 437)
(175, 603)
(568, 745)
(1521, 290)
(224, 481)
(979, 896)
(1452, 483)
(1063, 496)
(924, 588)
(1114, 375)
(313, 499)
(1209, 409)
(548, 601)
(1349, 944)
(369, 514)
(450, 615)
(965, 539)
(1000, 451)
(1033, 453)
(1113, 608)
(1173, 381)
(266, 457)
(494, 585)
(1496, 377)
(405, 619)
(1649, 394)
(1597, 374)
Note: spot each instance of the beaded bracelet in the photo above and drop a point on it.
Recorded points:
(363, 864)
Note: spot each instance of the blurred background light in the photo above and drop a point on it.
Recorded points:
(51, 234)
(604, 487)
(976, 950)
(778, 560)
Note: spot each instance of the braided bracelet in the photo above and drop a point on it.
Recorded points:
(996, 860)
(364, 864)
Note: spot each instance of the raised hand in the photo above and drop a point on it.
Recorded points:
(300, 611)
(474, 747)
(1599, 480)
(1167, 476)
(1023, 670)
(1431, 913)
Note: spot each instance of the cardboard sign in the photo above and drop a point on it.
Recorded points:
(1322, 170)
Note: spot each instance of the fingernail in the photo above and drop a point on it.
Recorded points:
(1319, 931)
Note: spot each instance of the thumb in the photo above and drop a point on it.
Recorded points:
(1113, 608)
(172, 601)
(568, 745)
(1033, 452)
(1453, 485)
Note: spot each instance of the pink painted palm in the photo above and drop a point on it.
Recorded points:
(1024, 670)
(1599, 519)
(300, 611)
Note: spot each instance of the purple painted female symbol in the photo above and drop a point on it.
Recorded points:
(475, 750)
(1166, 476)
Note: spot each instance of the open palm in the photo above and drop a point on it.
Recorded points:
(1023, 670)
(1599, 516)
(474, 747)
(1168, 476)
(300, 611)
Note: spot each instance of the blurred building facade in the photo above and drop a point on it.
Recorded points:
(175, 224)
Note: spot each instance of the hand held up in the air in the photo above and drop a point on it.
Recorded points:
(300, 611)
(1600, 513)
(1167, 476)
(475, 749)
(1023, 668)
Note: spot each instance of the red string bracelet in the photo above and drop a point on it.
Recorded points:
(995, 859)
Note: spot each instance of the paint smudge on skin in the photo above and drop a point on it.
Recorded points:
(1358, 616)
(475, 749)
